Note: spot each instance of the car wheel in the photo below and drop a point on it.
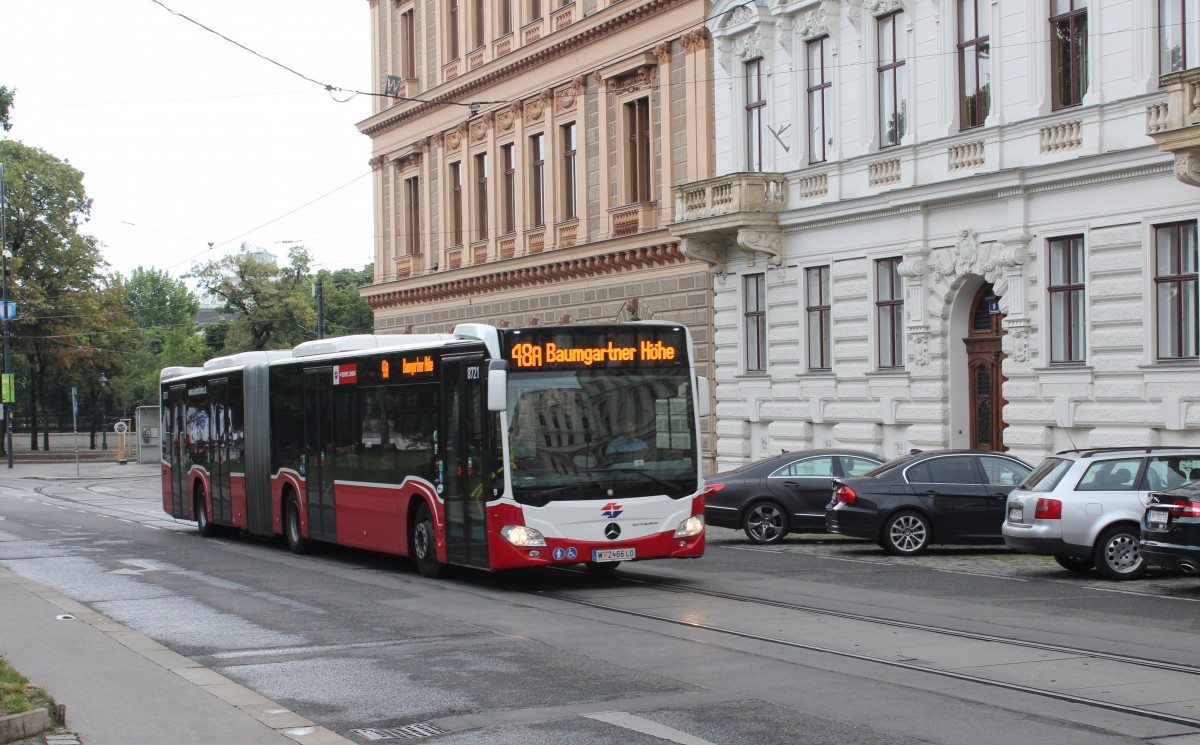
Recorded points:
(1116, 553)
(295, 538)
(906, 534)
(765, 522)
(206, 528)
(1075, 563)
(424, 545)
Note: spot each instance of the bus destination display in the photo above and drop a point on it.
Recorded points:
(528, 352)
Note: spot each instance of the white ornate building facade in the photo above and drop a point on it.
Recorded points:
(948, 223)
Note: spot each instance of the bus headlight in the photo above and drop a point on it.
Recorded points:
(522, 536)
(692, 526)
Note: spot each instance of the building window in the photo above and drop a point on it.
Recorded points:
(478, 29)
(1175, 291)
(755, 286)
(820, 108)
(412, 214)
(535, 10)
(756, 107)
(817, 308)
(506, 24)
(1067, 316)
(974, 69)
(637, 153)
(1068, 51)
(569, 207)
(892, 102)
(452, 30)
(456, 204)
(481, 196)
(508, 215)
(408, 59)
(889, 312)
(537, 180)
(1179, 35)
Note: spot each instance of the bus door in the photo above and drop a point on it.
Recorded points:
(218, 451)
(177, 412)
(467, 481)
(319, 453)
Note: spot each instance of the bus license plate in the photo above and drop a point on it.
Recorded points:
(1157, 518)
(614, 554)
(1016, 514)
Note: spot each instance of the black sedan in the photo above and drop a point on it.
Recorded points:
(785, 493)
(946, 496)
(1171, 529)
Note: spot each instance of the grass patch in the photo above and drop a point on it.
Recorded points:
(18, 695)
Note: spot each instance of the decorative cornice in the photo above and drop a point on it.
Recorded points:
(464, 88)
(582, 267)
(696, 41)
(377, 162)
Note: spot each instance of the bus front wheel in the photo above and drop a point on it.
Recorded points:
(203, 526)
(424, 545)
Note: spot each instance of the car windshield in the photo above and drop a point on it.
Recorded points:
(1046, 476)
(601, 434)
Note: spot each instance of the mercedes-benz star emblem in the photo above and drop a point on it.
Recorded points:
(612, 531)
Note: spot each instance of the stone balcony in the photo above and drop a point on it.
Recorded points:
(1179, 133)
(738, 210)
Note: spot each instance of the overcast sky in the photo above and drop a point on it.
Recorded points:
(184, 138)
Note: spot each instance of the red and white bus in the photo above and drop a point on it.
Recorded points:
(490, 447)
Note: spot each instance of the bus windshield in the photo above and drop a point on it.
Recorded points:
(600, 434)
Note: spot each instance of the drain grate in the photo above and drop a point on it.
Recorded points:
(408, 732)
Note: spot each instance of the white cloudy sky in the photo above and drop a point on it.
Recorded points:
(186, 139)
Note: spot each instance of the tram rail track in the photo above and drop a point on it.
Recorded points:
(1191, 671)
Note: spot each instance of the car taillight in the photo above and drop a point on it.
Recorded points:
(1048, 509)
(710, 489)
(846, 495)
(1185, 508)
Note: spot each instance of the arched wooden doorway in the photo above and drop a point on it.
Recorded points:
(986, 380)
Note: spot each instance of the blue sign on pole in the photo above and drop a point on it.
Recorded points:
(8, 310)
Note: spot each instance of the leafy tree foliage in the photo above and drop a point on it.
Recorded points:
(56, 272)
(6, 102)
(161, 333)
(346, 312)
(272, 306)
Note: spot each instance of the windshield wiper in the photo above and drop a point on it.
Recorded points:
(649, 476)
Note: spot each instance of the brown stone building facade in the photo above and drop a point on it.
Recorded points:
(525, 158)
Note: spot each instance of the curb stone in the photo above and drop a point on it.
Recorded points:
(15, 727)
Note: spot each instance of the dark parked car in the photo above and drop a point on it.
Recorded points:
(786, 493)
(945, 496)
(1171, 529)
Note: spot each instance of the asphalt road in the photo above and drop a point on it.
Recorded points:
(750, 644)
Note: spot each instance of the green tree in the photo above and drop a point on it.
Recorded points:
(346, 312)
(272, 305)
(56, 270)
(6, 102)
(161, 332)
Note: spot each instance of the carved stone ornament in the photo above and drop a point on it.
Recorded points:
(662, 52)
(507, 118)
(455, 137)
(961, 260)
(480, 127)
(709, 251)
(1018, 339)
(762, 242)
(695, 41)
(741, 14)
(748, 46)
(377, 162)
(814, 23)
(784, 28)
(918, 346)
(1187, 166)
(882, 7)
(535, 108)
(564, 98)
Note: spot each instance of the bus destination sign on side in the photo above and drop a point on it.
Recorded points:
(420, 366)
(529, 355)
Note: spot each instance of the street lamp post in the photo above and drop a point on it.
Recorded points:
(7, 309)
(103, 414)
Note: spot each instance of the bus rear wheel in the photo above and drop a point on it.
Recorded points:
(295, 539)
(424, 545)
(205, 528)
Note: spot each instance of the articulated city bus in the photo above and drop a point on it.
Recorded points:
(490, 447)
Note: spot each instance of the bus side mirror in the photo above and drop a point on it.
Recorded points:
(497, 385)
(702, 396)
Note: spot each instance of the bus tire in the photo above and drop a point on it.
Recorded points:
(203, 524)
(296, 541)
(424, 545)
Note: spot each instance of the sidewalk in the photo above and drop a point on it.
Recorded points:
(119, 686)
